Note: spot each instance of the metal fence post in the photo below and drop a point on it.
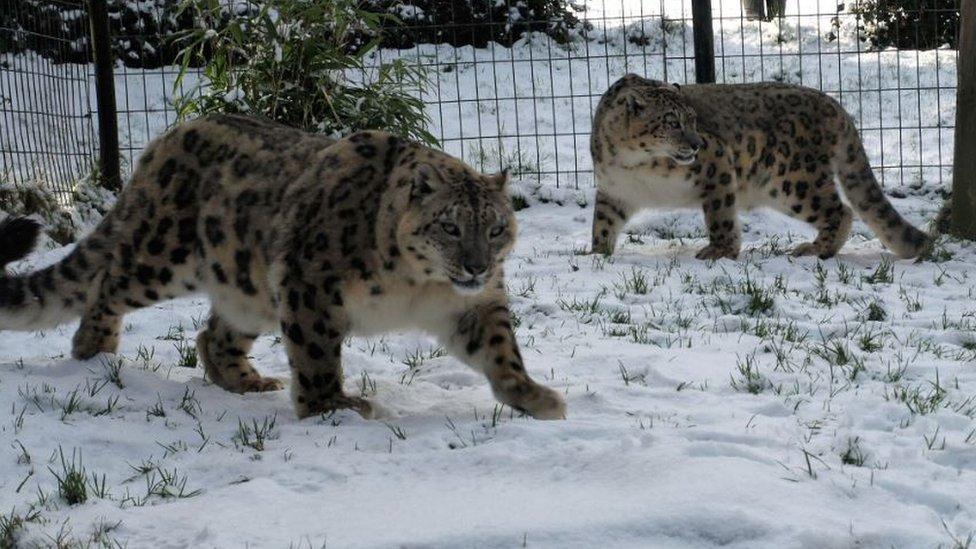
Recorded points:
(108, 124)
(701, 15)
(964, 161)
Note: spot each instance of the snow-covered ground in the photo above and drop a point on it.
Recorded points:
(765, 402)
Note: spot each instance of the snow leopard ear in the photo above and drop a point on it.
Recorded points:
(663, 84)
(426, 180)
(499, 181)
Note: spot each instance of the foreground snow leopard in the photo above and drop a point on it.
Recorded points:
(286, 229)
(724, 147)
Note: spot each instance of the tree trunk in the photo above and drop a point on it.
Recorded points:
(775, 8)
(754, 9)
(964, 159)
(765, 10)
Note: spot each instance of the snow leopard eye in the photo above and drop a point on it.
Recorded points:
(450, 228)
(496, 231)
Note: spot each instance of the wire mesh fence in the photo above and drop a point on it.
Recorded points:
(903, 99)
(531, 106)
(47, 135)
(518, 88)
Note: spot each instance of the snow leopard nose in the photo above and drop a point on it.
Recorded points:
(475, 266)
(694, 141)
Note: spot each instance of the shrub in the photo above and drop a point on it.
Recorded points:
(63, 224)
(908, 24)
(23, 199)
(27, 26)
(144, 33)
(301, 63)
(475, 22)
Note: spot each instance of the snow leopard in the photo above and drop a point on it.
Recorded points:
(312, 237)
(728, 147)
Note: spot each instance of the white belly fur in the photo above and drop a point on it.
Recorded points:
(400, 307)
(253, 315)
(641, 187)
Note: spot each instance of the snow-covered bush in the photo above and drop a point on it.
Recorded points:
(37, 200)
(144, 32)
(52, 30)
(475, 22)
(62, 223)
(908, 24)
(304, 64)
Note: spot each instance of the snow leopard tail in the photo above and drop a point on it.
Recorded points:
(18, 236)
(868, 199)
(49, 296)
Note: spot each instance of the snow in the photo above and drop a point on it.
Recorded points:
(672, 457)
(858, 431)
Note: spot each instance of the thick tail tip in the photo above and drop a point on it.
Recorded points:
(18, 236)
